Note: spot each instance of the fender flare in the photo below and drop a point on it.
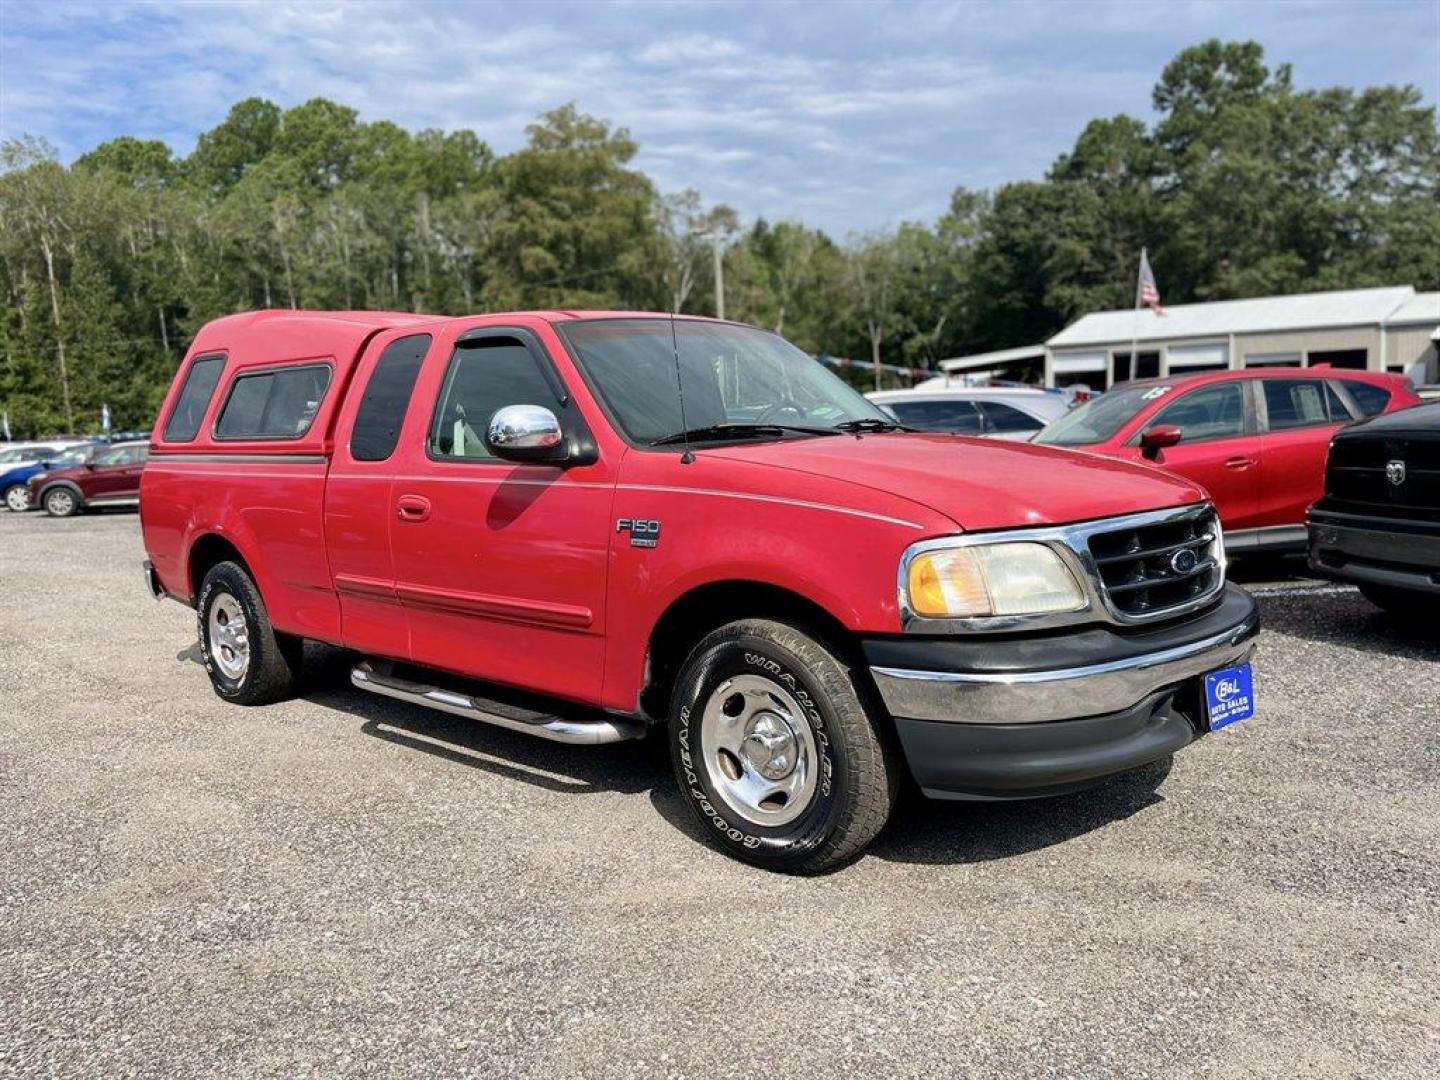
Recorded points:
(241, 539)
(53, 484)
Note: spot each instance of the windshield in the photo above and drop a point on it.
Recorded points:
(76, 455)
(729, 375)
(1100, 418)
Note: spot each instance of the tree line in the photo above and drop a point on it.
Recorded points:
(1243, 185)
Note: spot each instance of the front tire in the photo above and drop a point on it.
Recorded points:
(775, 751)
(17, 498)
(248, 661)
(61, 502)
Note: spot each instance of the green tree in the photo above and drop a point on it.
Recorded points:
(579, 228)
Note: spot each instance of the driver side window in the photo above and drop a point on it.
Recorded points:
(1212, 412)
(484, 376)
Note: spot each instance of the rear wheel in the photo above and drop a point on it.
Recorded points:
(60, 502)
(775, 751)
(17, 498)
(1403, 604)
(248, 661)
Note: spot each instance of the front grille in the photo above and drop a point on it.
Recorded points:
(1356, 479)
(1146, 570)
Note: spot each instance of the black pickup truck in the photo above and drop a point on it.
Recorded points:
(1378, 523)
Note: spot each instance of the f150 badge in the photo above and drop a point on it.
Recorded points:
(643, 533)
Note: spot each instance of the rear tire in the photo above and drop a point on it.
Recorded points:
(17, 498)
(1402, 604)
(775, 751)
(248, 661)
(61, 502)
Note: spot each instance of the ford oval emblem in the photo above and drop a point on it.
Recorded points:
(1183, 561)
(1395, 472)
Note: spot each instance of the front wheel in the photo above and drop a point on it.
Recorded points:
(775, 752)
(60, 502)
(17, 498)
(248, 661)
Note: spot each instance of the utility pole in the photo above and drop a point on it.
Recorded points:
(718, 248)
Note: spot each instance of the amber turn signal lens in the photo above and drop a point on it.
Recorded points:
(948, 584)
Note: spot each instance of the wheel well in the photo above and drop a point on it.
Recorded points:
(711, 606)
(207, 552)
(68, 485)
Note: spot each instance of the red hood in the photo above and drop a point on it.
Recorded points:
(980, 483)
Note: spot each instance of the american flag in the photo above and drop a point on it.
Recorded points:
(1147, 293)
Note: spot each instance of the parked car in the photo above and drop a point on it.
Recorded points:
(1255, 440)
(521, 519)
(15, 479)
(18, 455)
(110, 476)
(1002, 412)
(1378, 523)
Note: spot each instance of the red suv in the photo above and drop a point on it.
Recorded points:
(587, 527)
(1255, 440)
(111, 477)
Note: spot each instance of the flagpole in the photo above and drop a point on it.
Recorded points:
(1135, 324)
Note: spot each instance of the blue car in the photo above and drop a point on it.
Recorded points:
(14, 478)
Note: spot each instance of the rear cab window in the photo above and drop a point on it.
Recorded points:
(273, 403)
(193, 400)
(386, 399)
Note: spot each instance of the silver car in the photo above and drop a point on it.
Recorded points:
(1000, 412)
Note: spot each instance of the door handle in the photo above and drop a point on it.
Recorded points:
(1239, 462)
(412, 507)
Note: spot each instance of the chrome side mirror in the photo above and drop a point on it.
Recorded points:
(526, 433)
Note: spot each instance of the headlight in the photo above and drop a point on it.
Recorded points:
(977, 580)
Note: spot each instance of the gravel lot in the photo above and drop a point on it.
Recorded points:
(344, 885)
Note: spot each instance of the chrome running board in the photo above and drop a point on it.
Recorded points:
(581, 730)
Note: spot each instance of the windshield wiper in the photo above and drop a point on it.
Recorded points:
(855, 427)
(738, 430)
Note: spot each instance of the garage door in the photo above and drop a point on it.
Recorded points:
(1183, 358)
(1079, 363)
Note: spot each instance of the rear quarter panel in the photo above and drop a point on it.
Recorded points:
(264, 496)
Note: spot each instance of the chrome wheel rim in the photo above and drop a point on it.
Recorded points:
(17, 499)
(62, 502)
(759, 750)
(229, 637)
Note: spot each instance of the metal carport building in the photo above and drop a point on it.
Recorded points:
(1387, 329)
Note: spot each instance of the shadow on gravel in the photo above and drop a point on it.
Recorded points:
(1349, 620)
(629, 768)
(920, 831)
(931, 831)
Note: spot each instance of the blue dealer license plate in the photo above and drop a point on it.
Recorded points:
(1229, 695)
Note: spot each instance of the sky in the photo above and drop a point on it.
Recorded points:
(848, 116)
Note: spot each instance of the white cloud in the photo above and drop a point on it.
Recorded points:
(847, 115)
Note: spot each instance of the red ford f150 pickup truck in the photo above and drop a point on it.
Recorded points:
(585, 525)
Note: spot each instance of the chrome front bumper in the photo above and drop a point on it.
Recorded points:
(1061, 693)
